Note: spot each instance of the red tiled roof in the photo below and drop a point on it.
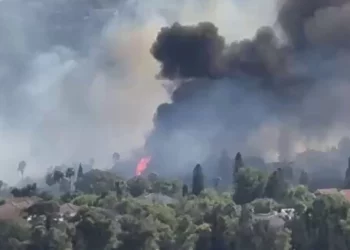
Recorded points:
(327, 191)
(14, 206)
(346, 193)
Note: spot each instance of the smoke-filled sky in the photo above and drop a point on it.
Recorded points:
(273, 94)
(79, 82)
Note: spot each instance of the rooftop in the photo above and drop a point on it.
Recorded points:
(13, 207)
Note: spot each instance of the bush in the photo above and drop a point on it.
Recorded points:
(86, 199)
(264, 206)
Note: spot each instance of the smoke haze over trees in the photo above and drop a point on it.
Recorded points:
(78, 80)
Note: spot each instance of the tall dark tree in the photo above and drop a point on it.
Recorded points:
(304, 178)
(119, 189)
(70, 172)
(197, 180)
(80, 172)
(276, 186)
(238, 163)
(58, 176)
(249, 185)
(347, 175)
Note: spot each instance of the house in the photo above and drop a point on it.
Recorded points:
(276, 219)
(69, 209)
(326, 191)
(14, 207)
(344, 192)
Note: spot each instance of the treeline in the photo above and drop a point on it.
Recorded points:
(149, 212)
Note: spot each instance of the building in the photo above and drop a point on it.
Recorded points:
(69, 209)
(14, 207)
(344, 192)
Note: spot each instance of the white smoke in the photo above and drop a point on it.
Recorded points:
(58, 104)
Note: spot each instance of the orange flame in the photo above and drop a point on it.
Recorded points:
(142, 165)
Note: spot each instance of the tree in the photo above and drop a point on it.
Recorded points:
(276, 187)
(119, 189)
(264, 206)
(249, 185)
(94, 231)
(304, 178)
(96, 182)
(137, 186)
(153, 177)
(49, 180)
(197, 180)
(21, 167)
(80, 172)
(27, 191)
(70, 172)
(238, 164)
(13, 230)
(347, 175)
(57, 176)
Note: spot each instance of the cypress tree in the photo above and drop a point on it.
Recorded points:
(238, 163)
(80, 172)
(347, 175)
(276, 185)
(197, 180)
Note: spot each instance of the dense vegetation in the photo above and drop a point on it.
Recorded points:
(145, 213)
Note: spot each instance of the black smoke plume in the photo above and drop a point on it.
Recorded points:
(223, 92)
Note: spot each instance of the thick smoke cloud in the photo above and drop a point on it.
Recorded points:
(199, 51)
(224, 92)
(314, 22)
(77, 79)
